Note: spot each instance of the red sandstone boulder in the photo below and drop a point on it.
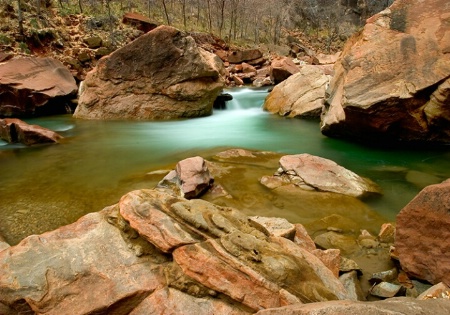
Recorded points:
(391, 82)
(161, 75)
(139, 21)
(423, 232)
(315, 173)
(35, 86)
(15, 130)
(240, 56)
(301, 95)
(282, 68)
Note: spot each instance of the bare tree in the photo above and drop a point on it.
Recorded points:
(165, 12)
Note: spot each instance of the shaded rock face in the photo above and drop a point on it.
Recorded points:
(156, 251)
(387, 307)
(282, 68)
(311, 172)
(35, 86)
(139, 21)
(301, 95)
(15, 130)
(419, 224)
(391, 82)
(160, 75)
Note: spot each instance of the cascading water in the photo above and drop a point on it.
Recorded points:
(44, 187)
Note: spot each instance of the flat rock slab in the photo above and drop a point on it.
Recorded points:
(14, 130)
(27, 84)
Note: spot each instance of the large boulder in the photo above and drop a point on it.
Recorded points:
(161, 75)
(301, 95)
(311, 172)
(391, 82)
(35, 86)
(422, 234)
(14, 130)
(282, 68)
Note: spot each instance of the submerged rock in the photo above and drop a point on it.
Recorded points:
(161, 75)
(392, 80)
(422, 234)
(35, 86)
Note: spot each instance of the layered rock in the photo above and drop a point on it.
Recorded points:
(302, 95)
(282, 68)
(156, 251)
(422, 231)
(315, 173)
(387, 307)
(392, 79)
(15, 130)
(35, 86)
(160, 75)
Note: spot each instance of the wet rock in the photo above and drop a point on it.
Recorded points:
(352, 285)
(389, 86)
(44, 86)
(221, 100)
(385, 289)
(384, 276)
(274, 226)
(17, 131)
(312, 172)
(301, 95)
(366, 240)
(346, 243)
(235, 153)
(386, 307)
(422, 228)
(438, 291)
(194, 176)
(421, 179)
(387, 233)
(129, 83)
(282, 68)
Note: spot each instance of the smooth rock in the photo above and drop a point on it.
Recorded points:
(194, 177)
(35, 86)
(282, 68)
(385, 289)
(240, 56)
(386, 307)
(302, 238)
(352, 285)
(139, 21)
(391, 83)
(275, 226)
(301, 95)
(330, 258)
(384, 276)
(387, 233)
(438, 291)
(346, 243)
(422, 234)
(14, 130)
(129, 83)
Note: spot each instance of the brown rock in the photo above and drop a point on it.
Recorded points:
(274, 226)
(329, 240)
(438, 291)
(352, 285)
(93, 42)
(3, 245)
(422, 231)
(171, 301)
(386, 307)
(44, 86)
(129, 83)
(302, 95)
(323, 59)
(385, 290)
(240, 56)
(389, 85)
(246, 68)
(139, 21)
(312, 172)
(282, 68)
(387, 233)
(302, 238)
(194, 176)
(83, 268)
(330, 258)
(15, 130)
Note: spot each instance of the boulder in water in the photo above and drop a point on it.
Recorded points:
(161, 75)
(391, 83)
(14, 130)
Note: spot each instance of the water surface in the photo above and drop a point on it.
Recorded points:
(48, 186)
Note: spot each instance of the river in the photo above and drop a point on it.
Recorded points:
(47, 186)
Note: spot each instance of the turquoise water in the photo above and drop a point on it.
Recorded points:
(47, 186)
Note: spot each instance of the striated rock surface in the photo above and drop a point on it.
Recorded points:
(35, 86)
(156, 251)
(301, 95)
(161, 75)
(392, 80)
(422, 234)
(315, 173)
(386, 307)
(14, 130)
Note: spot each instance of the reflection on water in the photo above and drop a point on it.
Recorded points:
(47, 186)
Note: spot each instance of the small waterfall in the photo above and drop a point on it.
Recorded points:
(245, 98)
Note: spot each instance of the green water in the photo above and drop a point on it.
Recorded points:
(48, 186)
